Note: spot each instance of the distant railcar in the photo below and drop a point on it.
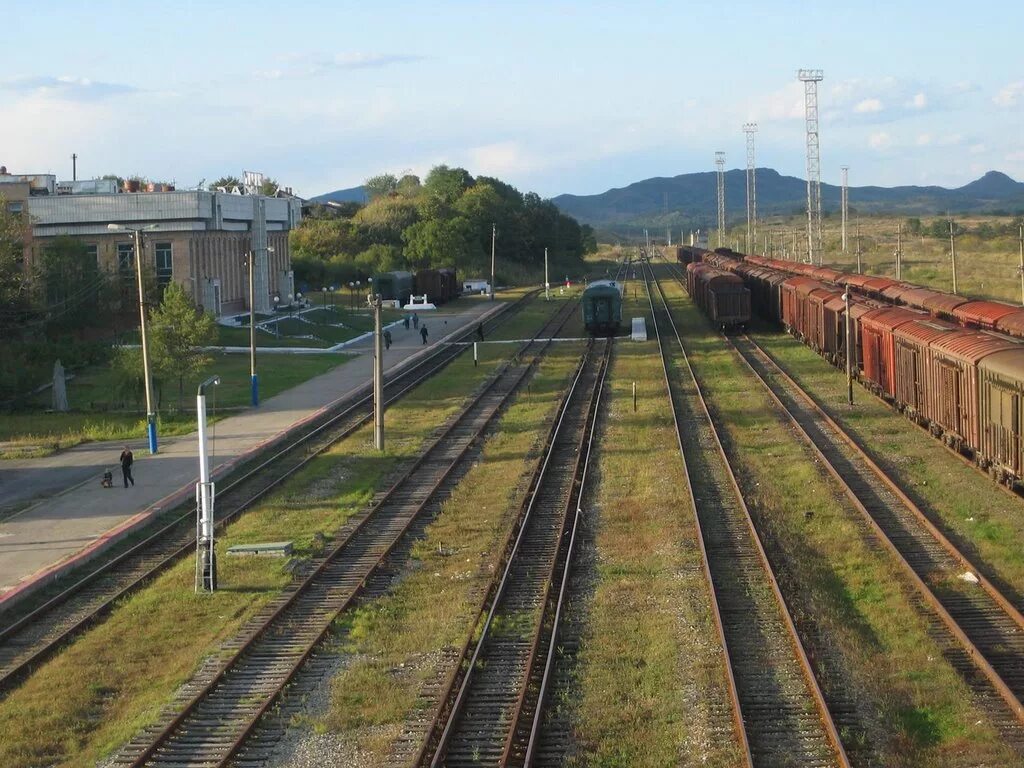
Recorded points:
(602, 307)
(394, 286)
(722, 295)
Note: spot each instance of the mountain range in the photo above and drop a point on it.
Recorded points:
(691, 199)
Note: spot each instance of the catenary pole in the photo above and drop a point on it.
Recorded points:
(494, 238)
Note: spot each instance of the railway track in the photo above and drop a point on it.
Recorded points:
(210, 722)
(987, 625)
(494, 716)
(31, 635)
(780, 716)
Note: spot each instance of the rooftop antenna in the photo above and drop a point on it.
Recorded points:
(810, 78)
(720, 164)
(750, 129)
(74, 167)
(845, 201)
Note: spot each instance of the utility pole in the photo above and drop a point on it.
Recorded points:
(720, 165)
(254, 385)
(952, 252)
(547, 285)
(374, 301)
(845, 201)
(810, 78)
(1020, 243)
(494, 239)
(750, 129)
(899, 251)
(849, 350)
(74, 167)
(206, 558)
(858, 247)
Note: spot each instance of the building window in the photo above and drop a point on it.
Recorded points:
(126, 260)
(15, 206)
(93, 252)
(164, 271)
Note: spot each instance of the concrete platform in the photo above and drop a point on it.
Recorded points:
(68, 517)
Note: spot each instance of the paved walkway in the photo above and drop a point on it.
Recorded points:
(70, 516)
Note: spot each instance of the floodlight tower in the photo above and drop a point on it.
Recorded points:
(750, 129)
(720, 165)
(845, 201)
(810, 78)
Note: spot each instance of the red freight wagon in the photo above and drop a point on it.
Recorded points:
(804, 310)
(792, 304)
(953, 382)
(1000, 389)
(827, 274)
(895, 291)
(1012, 323)
(877, 344)
(938, 303)
(814, 331)
(911, 347)
(982, 314)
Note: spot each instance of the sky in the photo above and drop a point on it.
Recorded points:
(551, 97)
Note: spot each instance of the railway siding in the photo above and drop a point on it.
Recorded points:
(887, 668)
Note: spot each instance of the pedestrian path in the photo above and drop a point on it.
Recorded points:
(70, 517)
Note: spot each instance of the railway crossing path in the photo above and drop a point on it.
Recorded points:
(66, 517)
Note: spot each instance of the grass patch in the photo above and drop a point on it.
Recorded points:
(848, 596)
(91, 396)
(114, 679)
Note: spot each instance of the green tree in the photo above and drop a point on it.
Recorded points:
(440, 243)
(71, 284)
(177, 334)
(384, 219)
(15, 301)
(914, 226)
(382, 185)
(224, 181)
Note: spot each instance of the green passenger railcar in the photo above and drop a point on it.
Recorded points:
(602, 307)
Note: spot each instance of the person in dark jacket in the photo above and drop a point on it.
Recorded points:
(480, 331)
(423, 333)
(406, 321)
(387, 340)
(127, 459)
(415, 320)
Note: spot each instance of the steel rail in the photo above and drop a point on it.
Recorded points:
(158, 740)
(986, 663)
(824, 715)
(399, 386)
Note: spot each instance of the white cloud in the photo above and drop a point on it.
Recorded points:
(879, 140)
(977, 149)
(501, 159)
(869, 105)
(919, 101)
(1009, 95)
(64, 87)
(924, 140)
(308, 65)
(950, 139)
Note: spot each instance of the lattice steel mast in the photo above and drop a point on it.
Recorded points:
(720, 164)
(750, 129)
(845, 201)
(810, 78)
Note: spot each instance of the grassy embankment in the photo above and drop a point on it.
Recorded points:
(988, 523)
(986, 263)
(92, 398)
(848, 595)
(114, 679)
(651, 687)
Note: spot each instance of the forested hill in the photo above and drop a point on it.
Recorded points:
(692, 198)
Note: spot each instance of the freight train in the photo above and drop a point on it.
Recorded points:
(953, 365)
(722, 295)
(439, 285)
(602, 307)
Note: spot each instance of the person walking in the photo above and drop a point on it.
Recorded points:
(127, 459)
(406, 321)
(480, 331)
(415, 320)
(423, 333)
(387, 340)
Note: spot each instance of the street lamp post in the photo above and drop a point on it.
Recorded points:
(323, 293)
(254, 381)
(277, 321)
(332, 297)
(147, 374)
(374, 301)
(494, 238)
(849, 351)
(206, 560)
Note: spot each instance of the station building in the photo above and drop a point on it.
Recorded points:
(196, 238)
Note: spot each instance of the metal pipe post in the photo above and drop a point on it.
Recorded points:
(952, 252)
(849, 351)
(378, 374)
(1020, 242)
(254, 381)
(546, 284)
(206, 560)
(494, 238)
(150, 414)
